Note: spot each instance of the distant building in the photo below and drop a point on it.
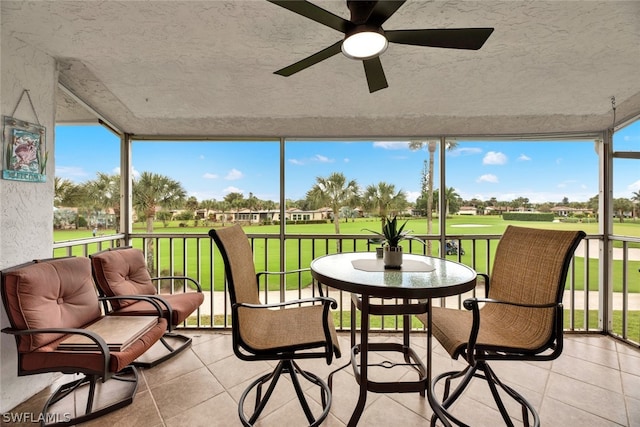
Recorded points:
(468, 210)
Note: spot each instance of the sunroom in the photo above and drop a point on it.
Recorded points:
(558, 73)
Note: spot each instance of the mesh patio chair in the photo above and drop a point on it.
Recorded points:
(521, 317)
(54, 312)
(284, 331)
(123, 271)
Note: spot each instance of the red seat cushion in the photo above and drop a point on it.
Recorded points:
(122, 272)
(53, 294)
(182, 306)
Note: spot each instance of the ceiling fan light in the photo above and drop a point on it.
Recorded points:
(364, 44)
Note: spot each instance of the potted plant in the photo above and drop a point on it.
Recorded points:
(390, 237)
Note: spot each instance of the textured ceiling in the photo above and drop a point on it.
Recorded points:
(206, 68)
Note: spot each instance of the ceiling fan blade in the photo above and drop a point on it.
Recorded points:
(375, 74)
(311, 60)
(383, 11)
(315, 13)
(453, 38)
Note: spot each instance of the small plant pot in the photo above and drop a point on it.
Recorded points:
(392, 257)
(379, 252)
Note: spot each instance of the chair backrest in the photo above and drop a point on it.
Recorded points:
(238, 261)
(530, 267)
(56, 293)
(122, 271)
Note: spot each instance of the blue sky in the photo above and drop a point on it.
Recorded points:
(540, 171)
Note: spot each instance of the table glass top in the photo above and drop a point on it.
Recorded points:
(439, 276)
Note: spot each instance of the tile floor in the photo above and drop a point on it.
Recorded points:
(596, 382)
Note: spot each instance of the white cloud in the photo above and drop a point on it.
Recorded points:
(322, 159)
(524, 158)
(634, 186)
(412, 196)
(233, 175)
(464, 151)
(346, 160)
(494, 158)
(208, 175)
(488, 178)
(392, 145)
(201, 156)
(318, 158)
(232, 189)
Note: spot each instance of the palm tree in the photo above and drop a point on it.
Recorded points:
(104, 193)
(66, 193)
(334, 191)
(383, 198)
(151, 191)
(431, 146)
(450, 198)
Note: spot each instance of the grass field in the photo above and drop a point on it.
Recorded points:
(301, 252)
(267, 255)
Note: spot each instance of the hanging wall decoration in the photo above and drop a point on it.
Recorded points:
(24, 153)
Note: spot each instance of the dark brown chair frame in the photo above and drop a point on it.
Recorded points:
(173, 342)
(286, 355)
(91, 378)
(477, 353)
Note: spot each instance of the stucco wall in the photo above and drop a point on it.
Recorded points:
(26, 219)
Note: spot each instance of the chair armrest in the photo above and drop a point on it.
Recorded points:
(473, 305)
(149, 298)
(299, 270)
(155, 300)
(279, 273)
(187, 278)
(100, 342)
(327, 302)
(324, 300)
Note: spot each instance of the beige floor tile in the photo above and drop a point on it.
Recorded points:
(595, 382)
(589, 398)
(185, 392)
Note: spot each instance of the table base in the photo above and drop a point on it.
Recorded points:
(411, 358)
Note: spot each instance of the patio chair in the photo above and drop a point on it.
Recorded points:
(55, 317)
(287, 331)
(123, 271)
(521, 317)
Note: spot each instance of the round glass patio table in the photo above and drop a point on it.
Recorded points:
(420, 278)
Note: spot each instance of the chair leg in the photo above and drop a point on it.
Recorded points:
(121, 386)
(524, 403)
(483, 371)
(448, 399)
(163, 350)
(290, 367)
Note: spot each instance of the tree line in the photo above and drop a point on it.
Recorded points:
(156, 195)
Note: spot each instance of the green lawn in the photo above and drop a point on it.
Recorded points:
(267, 258)
(302, 252)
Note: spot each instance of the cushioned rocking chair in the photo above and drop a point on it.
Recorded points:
(123, 271)
(56, 319)
(521, 317)
(283, 331)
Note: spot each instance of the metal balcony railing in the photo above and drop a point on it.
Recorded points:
(586, 298)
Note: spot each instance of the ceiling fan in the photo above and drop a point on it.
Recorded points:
(366, 40)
